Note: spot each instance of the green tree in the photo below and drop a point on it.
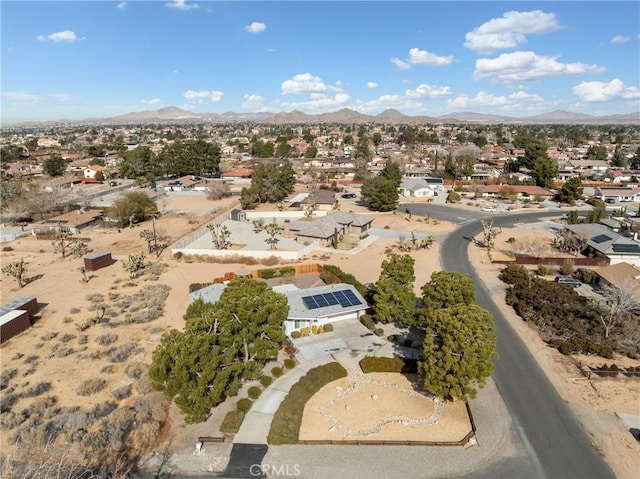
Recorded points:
(380, 194)
(132, 207)
(54, 165)
(270, 183)
(447, 289)
(508, 193)
(222, 344)
(573, 218)
(16, 269)
(459, 347)
(597, 152)
(543, 168)
(571, 190)
(596, 215)
(394, 299)
(191, 157)
(311, 151)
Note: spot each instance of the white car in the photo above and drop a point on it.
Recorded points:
(488, 208)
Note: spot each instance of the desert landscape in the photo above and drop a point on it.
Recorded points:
(88, 351)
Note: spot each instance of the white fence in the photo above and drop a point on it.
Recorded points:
(258, 254)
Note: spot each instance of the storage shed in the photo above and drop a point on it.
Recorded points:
(13, 323)
(238, 215)
(96, 261)
(26, 303)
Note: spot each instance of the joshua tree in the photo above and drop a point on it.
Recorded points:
(220, 235)
(17, 270)
(272, 229)
(61, 241)
(149, 237)
(489, 233)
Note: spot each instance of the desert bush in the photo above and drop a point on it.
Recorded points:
(542, 270)
(143, 386)
(346, 278)
(17, 356)
(119, 354)
(566, 268)
(37, 389)
(328, 328)
(378, 332)
(232, 422)
(254, 392)
(135, 370)
(367, 321)
(91, 386)
(43, 407)
(7, 248)
(106, 339)
(514, 274)
(296, 334)
(108, 369)
(35, 433)
(121, 392)
(266, 381)
(276, 372)
(371, 364)
(10, 419)
(74, 310)
(289, 363)
(63, 352)
(50, 335)
(83, 339)
(7, 401)
(6, 376)
(67, 337)
(32, 358)
(244, 404)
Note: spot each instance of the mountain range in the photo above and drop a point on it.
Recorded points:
(177, 115)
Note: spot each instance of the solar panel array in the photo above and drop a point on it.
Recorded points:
(626, 248)
(602, 238)
(344, 298)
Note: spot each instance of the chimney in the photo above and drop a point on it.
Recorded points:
(286, 232)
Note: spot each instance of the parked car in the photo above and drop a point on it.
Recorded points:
(487, 208)
(348, 195)
(570, 280)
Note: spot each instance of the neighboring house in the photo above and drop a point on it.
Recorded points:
(523, 191)
(91, 171)
(322, 199)
(18, 169)
(589, 167)
(238, 175)
(76, 221)
(619, 274)
(62, 182)
(617, 194)
(436, 184)
(307, 307)
(416, 187)
(186, 183)
(323, 229)
(605, 242)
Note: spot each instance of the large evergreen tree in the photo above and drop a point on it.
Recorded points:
(382, 192)
(270, 183)
(191, 157)
(447, 289)
(394, 299)
(571, 190)
(222, 344)
(459, 346)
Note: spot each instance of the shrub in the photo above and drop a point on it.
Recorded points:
(119, 354)
(49, 336)
(296, 334)
(276, 372)
(566, 268)
(345, 278)
(266, 381)
(91, 386)
(370, 364)
(106, 339)
(254, 392)
(74, 310)
(379, 332)
(289, 363)
(6, 376)
(7, 401)
(135, 370)
(514, 274)
(232, 422)
(367, 321)
(37, 389)
(68, 337)
(244, 404)
(453, 197)
(392, 338)
(286, 422)
(122, 392)
(328, 328)
(542, 270)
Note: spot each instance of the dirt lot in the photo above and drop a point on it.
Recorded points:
(55, 351)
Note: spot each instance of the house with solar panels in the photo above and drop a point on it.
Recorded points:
(307, 307)
(605, 242)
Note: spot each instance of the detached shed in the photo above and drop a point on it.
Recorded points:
(96, 261)
(238, 215)
(25, 303)
(13, 323)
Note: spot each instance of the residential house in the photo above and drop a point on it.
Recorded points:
(324, 228)
(76, 221)
(91, 171)
(523, 191)
(186, 183)
(307, 307)
(604, 242)
(416, 187)
(619, 274)
(617, 194)
(322, 199)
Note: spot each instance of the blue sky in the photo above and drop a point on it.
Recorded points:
(77, 60)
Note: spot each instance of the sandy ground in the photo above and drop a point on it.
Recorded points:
(368, 408)
(59, 288)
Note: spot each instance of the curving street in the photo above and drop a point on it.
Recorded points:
(555, 443)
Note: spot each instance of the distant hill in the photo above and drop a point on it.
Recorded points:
(173, 114)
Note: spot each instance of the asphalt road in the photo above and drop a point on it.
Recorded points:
(556, 444)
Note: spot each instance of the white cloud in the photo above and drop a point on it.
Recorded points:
(371, 84)
(253, 102)
(524, 96)
(21, 96)
(256, 27)
(519, 66)
(202, 95)
(306, 83)
(402, 65)
(61, 96)
(154, 101)
(323, 104)
(421, 57)
(597, 91)
(481, 99)
(182, 5)
(386, 102)
(428, 91)
(620, 39)
(64, 36)
(122, 5)
(510, 31)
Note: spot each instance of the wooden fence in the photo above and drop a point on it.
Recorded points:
(531, 260)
